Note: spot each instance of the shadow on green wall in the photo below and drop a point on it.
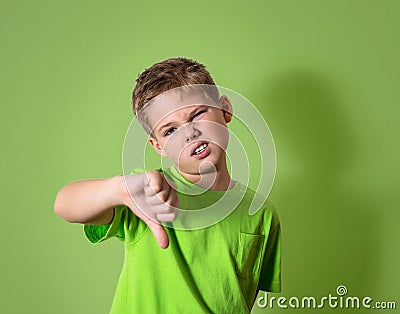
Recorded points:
(330, 227)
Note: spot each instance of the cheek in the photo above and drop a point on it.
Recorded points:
(172, 147)
(218, 133)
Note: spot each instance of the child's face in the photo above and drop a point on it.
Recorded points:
(191, 131)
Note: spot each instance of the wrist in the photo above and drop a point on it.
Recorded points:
(125, 187)
(119, 190)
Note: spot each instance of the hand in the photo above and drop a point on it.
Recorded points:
(153, 200)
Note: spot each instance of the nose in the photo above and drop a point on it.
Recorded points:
(191, 132)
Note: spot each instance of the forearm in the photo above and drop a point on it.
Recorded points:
(86, 201)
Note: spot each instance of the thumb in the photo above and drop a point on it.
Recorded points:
(159, 233)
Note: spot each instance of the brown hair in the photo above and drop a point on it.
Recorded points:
(166, 75)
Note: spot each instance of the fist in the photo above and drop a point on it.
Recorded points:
(161, 199)
(153, 200)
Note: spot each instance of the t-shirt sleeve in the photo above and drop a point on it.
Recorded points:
(99, 233)
(270, 277)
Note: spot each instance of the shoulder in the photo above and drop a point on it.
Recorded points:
(260, 207)
(258, 201)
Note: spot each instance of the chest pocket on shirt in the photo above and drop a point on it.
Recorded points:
(249, 254)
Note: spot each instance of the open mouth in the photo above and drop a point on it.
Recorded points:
(199, 149)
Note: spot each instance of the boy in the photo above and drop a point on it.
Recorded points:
(193, 260)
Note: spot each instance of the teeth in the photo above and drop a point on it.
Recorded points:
(200, 148)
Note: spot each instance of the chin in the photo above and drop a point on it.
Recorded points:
(189, 169)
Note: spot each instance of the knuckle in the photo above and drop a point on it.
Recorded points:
(156, 187)
(174, 216)
(166, 217)
(155, 180)
(163, 195)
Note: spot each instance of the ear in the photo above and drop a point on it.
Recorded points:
(226, 106)
(157, 147)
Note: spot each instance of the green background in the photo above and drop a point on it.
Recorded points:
(325, 74)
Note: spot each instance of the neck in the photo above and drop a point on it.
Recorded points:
(217, 180)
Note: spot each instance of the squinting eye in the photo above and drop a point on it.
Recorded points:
(169, 131)
(199, 113)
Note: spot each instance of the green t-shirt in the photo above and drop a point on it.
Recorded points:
(216, 269)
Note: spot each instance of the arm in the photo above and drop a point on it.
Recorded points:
(89, 201)
(93, 201)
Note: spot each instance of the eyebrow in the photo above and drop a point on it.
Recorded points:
(173, 122)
